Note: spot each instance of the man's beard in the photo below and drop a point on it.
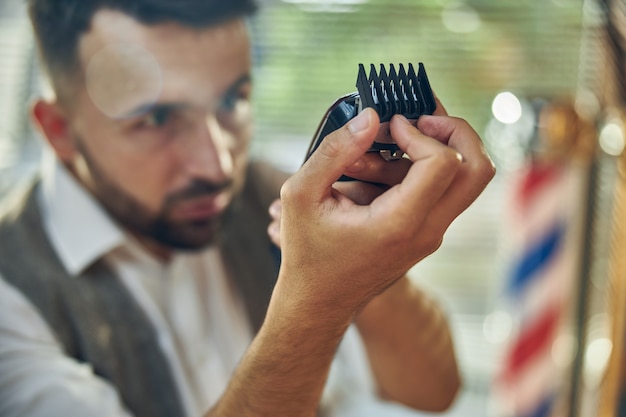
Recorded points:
(133, 215)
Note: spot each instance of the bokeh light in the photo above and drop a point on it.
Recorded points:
(612, 138)
(506, 108)
(460, 18)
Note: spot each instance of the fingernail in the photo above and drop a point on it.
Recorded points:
(402, 118)
(275, 208)
(272, 230)
(359, 123)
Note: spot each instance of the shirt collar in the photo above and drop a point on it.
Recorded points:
(80, 230)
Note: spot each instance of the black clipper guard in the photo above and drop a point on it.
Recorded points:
(407, 93)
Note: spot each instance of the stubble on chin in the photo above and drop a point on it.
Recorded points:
(159, 228)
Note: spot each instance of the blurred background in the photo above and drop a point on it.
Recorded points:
(528, 273)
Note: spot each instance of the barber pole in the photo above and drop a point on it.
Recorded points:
(539, 290)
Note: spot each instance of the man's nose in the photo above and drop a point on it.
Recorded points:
(207, 153)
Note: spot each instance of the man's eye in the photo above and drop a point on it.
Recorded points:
(230, 101)
(157, 118)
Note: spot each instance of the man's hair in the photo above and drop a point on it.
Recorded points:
(59, 24)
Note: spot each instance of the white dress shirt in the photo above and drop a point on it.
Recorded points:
(199, 319)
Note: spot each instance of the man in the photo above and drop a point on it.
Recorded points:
(137, 277)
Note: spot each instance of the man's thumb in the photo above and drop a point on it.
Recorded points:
(339, 150)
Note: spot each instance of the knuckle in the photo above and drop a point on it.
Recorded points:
(484, 170)
(447, 158)
(288, 190)
(464, 126)
(427, 240)
(489, 171)
(330, 147)
(422, 244)
(431, 243)
(436, 243)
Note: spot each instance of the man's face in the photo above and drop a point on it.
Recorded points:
(162, 124)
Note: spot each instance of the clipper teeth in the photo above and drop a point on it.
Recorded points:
(400, 92)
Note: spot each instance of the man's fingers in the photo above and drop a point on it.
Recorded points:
(372, 167)
(475, 172)
(460, 136)
(338, 151)
(415, 143)
(273, 230)
(434, 167)
(359, 192)
(440, 110)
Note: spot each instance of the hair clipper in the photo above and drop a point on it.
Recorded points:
(394, 92)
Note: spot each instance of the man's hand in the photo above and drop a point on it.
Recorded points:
(405, 333)
(337, 255)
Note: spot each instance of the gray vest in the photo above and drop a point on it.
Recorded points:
(95, 318)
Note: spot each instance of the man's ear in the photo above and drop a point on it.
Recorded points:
(53, 124)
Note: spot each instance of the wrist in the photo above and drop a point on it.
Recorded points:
(285, 367)
(300, 300)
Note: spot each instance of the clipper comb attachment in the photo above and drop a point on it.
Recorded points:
(388, 92)
(399, 92)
